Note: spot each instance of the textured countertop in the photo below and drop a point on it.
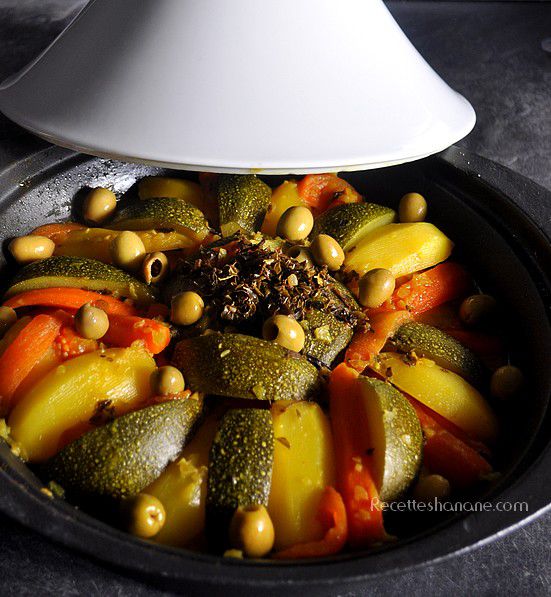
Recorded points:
(490, 52)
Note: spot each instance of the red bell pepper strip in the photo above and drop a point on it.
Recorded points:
(208, 182)
(323, 191)
(490, 349)
(426, 290)
(354, 477)
(69, 344)
(57, 231)
(25, 352)
(367, 344)
(427, 414)
(157, 311)
(209, 185)
(332, 515)
(446, 454)
(124, 330)
(69, 298)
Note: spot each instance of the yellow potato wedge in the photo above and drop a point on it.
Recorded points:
(283, 197)
(95, 243)
(152, 187)
(445, 392)
(401, 248)
(303, 467)
(59, 407)
(182, 489)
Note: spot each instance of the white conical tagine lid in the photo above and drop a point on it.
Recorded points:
(275, 86)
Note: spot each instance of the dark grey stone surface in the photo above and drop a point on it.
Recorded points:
(490, 52)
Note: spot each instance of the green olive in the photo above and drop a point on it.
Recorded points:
(167, 380)
(145, 515)
(187, 308)
(99, 205)
(412, 208)
(128, 250)
(7, 318)
(327, 251)
(430, 487)
(476, 308)
(301, 254)
(91, 322)
(155, 267)
(506, 382)
(295, 223)
(252, 531)
(26, 249)
(376, 287)
(284, 330)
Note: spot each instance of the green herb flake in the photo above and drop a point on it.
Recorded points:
(323, 334)
(259, 391)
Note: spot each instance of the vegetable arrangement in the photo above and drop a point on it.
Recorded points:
(256, 372)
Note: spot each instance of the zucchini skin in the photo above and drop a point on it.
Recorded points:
(326, 336)
(347, 224)
(240, 468)
(79, 272)
(121, 458)
(160, 213)
(240, 366)
(432, 343)
(346, 296)
(243, 201)
(402, 449)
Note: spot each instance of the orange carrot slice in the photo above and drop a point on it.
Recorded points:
(57, 231)
(323, 191)
(124, 330)
(448, 455)
(23, 354)
(332, 515)
(429, 289)
(354, 476)
(69, 298)
(367, 344)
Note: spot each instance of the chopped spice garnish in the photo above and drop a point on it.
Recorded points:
(248, 282)
(104, 413)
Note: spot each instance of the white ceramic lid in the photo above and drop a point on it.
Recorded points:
(275, 86)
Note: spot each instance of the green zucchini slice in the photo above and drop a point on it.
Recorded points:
(396, 439)
(240, 468)
(434, 344)
(163, 213)
(126, 455)
(326, 336)
(80, 272)
(242, 366)
(242, 203)
(349, 223)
